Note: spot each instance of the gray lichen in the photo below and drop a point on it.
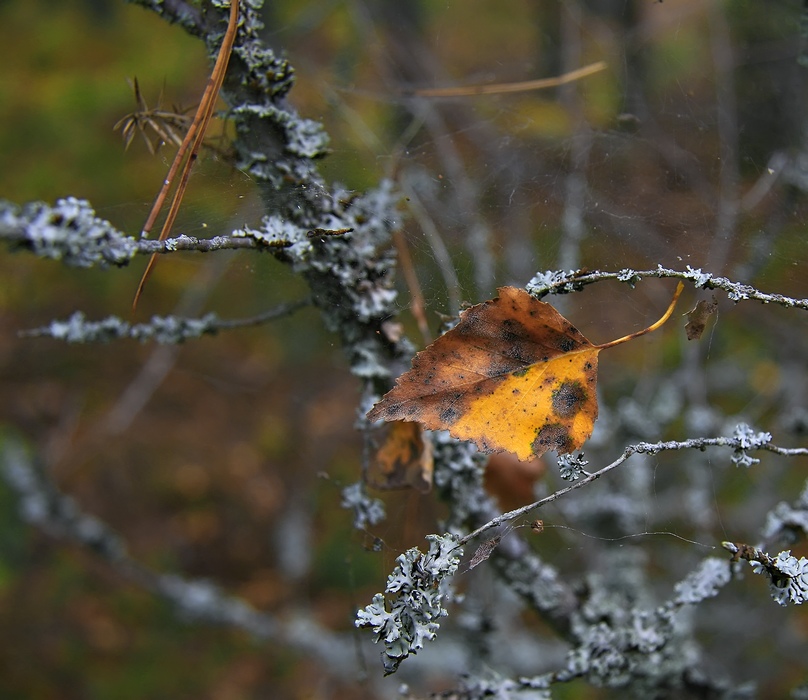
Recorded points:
(69, 231)
(786, 522)
(747, 439)
(164, 330)
(788, 577)
(368, 511)
(572, 467)
(419, 585)
(706, 581)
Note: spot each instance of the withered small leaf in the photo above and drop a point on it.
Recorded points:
(697, 318)
(484, 551)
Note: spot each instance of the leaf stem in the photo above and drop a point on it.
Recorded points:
(650, 328)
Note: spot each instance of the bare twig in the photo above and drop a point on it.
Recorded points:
(521, 86)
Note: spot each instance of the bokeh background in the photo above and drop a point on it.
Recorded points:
(224, 459)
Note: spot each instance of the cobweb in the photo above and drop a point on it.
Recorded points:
(686, 150)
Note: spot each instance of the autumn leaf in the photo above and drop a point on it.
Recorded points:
(512, 375)
(404, 459)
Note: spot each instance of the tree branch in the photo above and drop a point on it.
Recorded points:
(161, 329)
(741, 442)
(557, 282)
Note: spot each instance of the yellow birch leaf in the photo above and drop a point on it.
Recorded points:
(512, 375)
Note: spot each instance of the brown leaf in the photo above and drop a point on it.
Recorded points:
(404, 459)
(496, 379)
(511, 481)
(697, 318)
(513, 375)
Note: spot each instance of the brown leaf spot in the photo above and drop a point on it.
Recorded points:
(449, 414)
(500, 367)
(485, 447)
(391, 411)
(552, 436)
(512, 330)
(568, 399)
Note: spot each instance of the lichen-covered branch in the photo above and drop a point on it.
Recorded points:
(787, 575)
(160, 329)
(557, 282)
(350, 274)
(743, 440)
(70, 232)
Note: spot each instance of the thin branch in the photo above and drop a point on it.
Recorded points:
(737, 443)
(521, 86)
(165, 330)
(238, 240)
(272, 314)
(554, 282)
